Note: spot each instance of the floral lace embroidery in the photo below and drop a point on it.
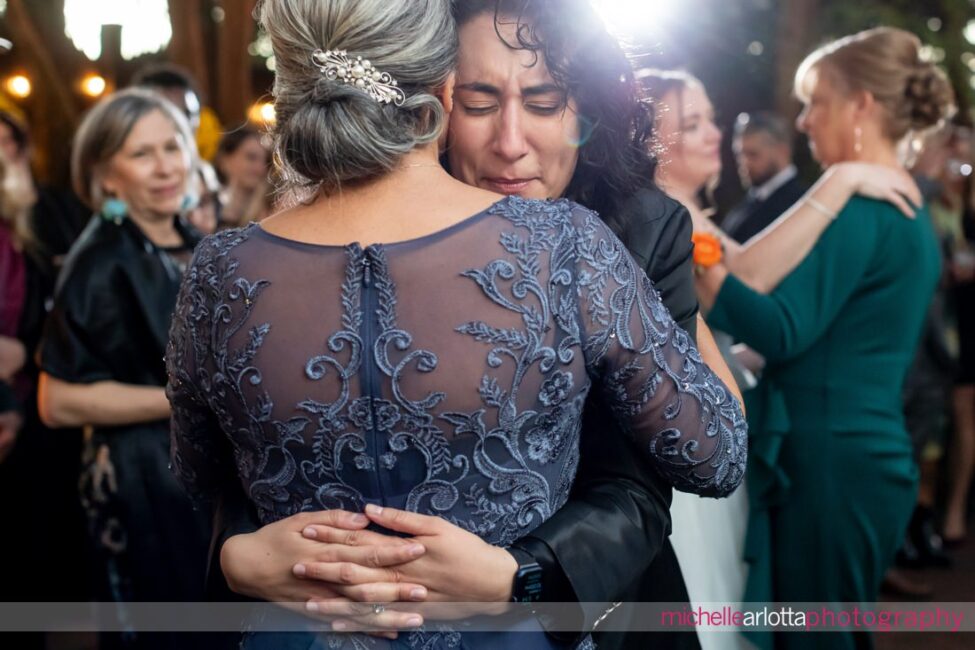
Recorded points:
(587, 316)
(563, 272)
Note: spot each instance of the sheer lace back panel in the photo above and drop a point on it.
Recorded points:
(444, 375)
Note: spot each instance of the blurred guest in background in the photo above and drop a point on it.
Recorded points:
(16, 199)
(102, 350)
(38, 476)
(941, 174)
(54, 217)
(175, 84)
(16, 550)
(178, 86)
(954, 215)
(204, 208)
(763, 150)
(243, 164)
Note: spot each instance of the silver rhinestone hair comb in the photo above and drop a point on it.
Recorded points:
(359, 72)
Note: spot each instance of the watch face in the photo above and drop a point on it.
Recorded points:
(528, 583)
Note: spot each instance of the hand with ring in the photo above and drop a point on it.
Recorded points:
(376, 619)
(456, 567)
(264, 565)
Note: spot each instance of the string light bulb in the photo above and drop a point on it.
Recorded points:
(93, 85)
(261, 113)
(19, 86)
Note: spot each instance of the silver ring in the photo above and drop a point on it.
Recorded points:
(378, 608)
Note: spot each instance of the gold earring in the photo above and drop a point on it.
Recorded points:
(857, 136)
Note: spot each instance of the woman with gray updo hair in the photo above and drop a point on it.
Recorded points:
(405, 349)
(327, 132)
(102, 347)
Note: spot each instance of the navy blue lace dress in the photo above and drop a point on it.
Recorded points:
(444, 375)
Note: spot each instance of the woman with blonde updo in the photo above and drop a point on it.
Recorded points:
(833, 480)
(687, 147)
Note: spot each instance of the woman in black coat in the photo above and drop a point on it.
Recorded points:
(101, 354)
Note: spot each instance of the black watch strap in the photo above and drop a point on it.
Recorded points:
(527, 585)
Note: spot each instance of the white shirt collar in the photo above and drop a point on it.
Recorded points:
(768, 188)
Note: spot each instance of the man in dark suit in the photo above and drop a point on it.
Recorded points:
(763, 149)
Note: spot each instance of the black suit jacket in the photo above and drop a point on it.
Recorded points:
(610, 540)
(749, 217)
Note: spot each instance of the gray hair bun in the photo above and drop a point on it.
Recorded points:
(329, 133)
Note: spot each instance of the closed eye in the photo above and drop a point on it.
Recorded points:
(479, 108)
(545, 108)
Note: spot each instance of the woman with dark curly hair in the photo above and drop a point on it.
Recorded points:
(594, 151)
(545, 106)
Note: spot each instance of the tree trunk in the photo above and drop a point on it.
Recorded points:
(234, 84)
(956, 17)
(796, 24)
(187, 48)
(111, 59)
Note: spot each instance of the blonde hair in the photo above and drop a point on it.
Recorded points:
(887, 63)
(655, 84)
(17, 199)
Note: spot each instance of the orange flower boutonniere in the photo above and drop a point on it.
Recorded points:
(707, 249)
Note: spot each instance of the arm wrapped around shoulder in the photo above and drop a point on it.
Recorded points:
(651, 374)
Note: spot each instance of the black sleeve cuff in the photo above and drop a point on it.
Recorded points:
(555, 588)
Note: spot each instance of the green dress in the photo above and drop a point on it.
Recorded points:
(831, 477)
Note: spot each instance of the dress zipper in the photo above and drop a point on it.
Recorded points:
(370, 384)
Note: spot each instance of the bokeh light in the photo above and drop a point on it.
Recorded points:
(19, 86)
(261, 113)
(93, 85)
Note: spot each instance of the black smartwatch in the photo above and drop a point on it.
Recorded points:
(527, 584)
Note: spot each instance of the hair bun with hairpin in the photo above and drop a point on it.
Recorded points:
(929, 95)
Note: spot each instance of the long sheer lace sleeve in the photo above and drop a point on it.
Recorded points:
(650, 372)
(200, 453)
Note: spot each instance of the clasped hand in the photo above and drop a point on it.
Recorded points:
(332, 563)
